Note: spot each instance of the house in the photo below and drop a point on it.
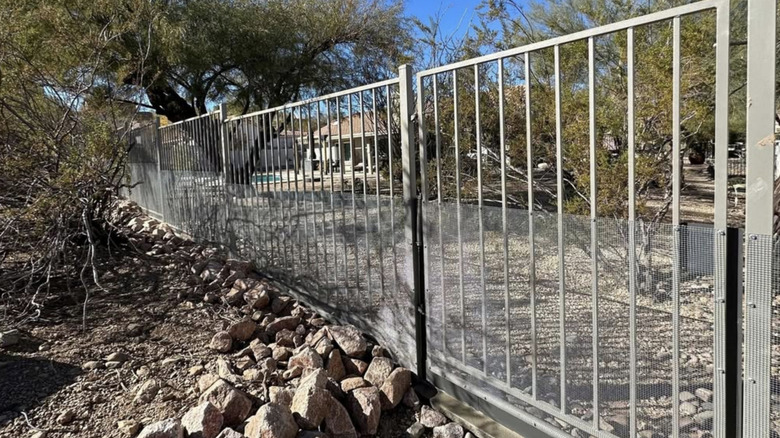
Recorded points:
(342, 141)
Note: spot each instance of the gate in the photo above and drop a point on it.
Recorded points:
(578, 324)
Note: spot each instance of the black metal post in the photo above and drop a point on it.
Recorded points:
(734, 290)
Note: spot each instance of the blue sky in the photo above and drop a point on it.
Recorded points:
(456, 14)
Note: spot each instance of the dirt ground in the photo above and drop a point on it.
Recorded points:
(143, 312)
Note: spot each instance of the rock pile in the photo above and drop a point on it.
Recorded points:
(280, 370)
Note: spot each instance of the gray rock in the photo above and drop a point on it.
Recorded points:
(365, 409)
(335, 366)
(243, 330)
(170, 428)
(353, 383)
(230, 433)
(378, 370)
(202, 421)
(349, 339)
(704, 419)
(704, 394)
(395, 387)
(221, 342)
(66, 417)
(128, 427)
(232, 403)
(93, 365)
(147, 391)
(307, 358)
(415, 430)
(451, 430)
(281, 395)
(286, 322)
(431, 418)
(689, 409)
(272, 420)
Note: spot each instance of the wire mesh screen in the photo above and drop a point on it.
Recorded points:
(314, 195)
(190, 168)
(142, 173)
(529, 340)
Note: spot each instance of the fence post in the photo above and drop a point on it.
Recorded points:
(223, 147)
(412, 272)
(759, 212)
(158, 147)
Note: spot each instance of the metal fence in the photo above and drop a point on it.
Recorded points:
(519, 285)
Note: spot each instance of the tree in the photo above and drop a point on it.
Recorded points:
(254, 54)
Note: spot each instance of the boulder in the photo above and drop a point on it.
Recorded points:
(221, 342)
(257, 297)
(230, 433)
(365, 409)
(285, 322)
(232, 403)
(259, 349)
(202, 421)
(234, 297)
(394, 387)
(307, 358)
(147, 391)
(451, 430)
(378, 370)
(353, 383)
(281, 395)
(128, 427)
(415, 430)
(310, 406)
(349, 339)
(272, 420)
(243, 330)
(337, 421)
(354, 366)
(170, 428)
(335, 367)
(431, 418)
(205, 381)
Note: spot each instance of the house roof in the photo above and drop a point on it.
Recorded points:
(358, 120)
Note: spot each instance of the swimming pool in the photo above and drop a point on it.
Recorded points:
(266, 178)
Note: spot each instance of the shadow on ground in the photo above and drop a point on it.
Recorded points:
(26, 382)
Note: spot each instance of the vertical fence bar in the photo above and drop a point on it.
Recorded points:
(722, 427)
(158, 150)
(364, 151)
(302, 170)
(421, 276)
(559, 194)
(412, 266)
(632, 394)
(354, 242)
(504, 227)
(759, 223)
(375, 120)
(593, 229)
(456, 138)
(392, 190)
(439, 207)
(223, 147)
(676, 182)
(532, 257)
(478, 142)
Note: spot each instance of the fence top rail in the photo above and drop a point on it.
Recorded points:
(577, 36)
(375, 85)
(190, 119)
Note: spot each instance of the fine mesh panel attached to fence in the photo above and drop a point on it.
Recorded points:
(143, 172)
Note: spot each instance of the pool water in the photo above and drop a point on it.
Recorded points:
(266, 178)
